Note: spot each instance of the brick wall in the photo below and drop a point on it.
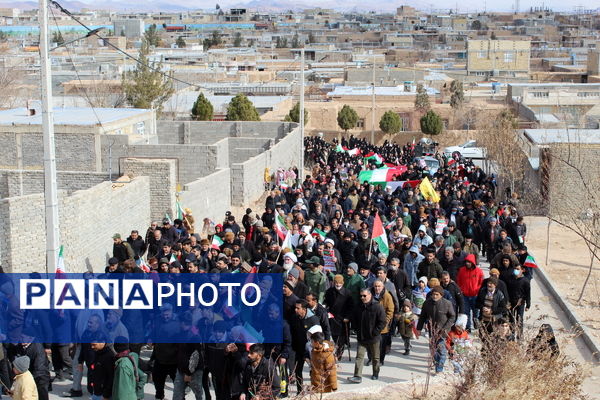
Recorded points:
(74, 152)
(88, 219)
(23, 182)
(162, 181)
(208, 197)
(209, 132)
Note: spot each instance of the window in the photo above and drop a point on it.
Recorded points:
(405, 118)
(588, 94)
(140, 127)
(509, 56)
(361, 123)
(539, 95)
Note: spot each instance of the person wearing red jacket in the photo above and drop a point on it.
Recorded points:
(469, 279)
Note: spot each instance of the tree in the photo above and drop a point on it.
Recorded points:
(422, 99)
(493, 36)
(347, 118)
(281, 43)
(147, 86)
(295, 41)
(431, 123)
(294, 115)
(214, 40)
(241, 109)
(237, 39)
(151, 36)
(202, 110)
(3, 36)
(476, 25)
(390, 122)
(180, 42)
(457, 94)
(57, 38)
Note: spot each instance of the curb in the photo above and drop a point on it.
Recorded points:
(574, 319)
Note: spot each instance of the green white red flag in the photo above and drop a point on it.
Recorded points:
(60, 263)
(374, 157)
(381, 175)
(379, 236)
(216, 243)
(282, 230)
(319, 234)
(530, 262)
(287, 242)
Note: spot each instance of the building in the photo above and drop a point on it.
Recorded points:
(130, 28)
(498, 57)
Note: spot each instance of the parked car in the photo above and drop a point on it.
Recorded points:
(467, 150)
(431, 163)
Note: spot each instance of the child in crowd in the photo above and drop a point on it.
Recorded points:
(406, 325)
(323, 373)
(458, 342)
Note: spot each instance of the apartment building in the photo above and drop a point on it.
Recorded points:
(498, 57)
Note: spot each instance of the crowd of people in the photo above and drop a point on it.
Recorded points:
(319, 233)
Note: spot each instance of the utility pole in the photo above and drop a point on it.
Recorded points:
(373, 103)
(301, 169)
(50, 186)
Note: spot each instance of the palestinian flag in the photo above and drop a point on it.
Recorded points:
(374, 157)
(172, 259)
(60, 263)
(282, 230)
(391, 224)
(319, 234)
(354, 152)
(379, 236)
(530, 262)
(340, 149)
(216, 243)
(381, 175)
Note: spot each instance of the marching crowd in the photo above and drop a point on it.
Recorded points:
(357, 259)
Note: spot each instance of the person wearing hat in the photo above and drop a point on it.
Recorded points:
(315, 279)
(439, 312)
(338, 303)
(411, 264)
(470, 279)
(300, 288)
(470, 247)
(458, 342)
(127, 373)
(24, 387)
(113, 265)
(101, 369)
(122, 250)
(354, 282)
(169, 232)
(38, 360)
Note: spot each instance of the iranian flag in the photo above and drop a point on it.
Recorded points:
(282, 230)
(287, 242)
(339, 148)
(381, 175)
(319, 234)
(354, 152)
(216, 243)
(180, 214)
(530, 262)
(143, 265)
(379, 236)
(374, 157)
(60, 263)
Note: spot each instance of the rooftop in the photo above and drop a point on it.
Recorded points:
(553, 136)
(379, 91)
(70, 116)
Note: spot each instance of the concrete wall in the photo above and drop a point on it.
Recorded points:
(162, 183)
(88, 219)
(208, 197)
(247, 177)
(209, 132)
(23, 182)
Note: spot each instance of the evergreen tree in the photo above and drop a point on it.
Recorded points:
(180, 42)
(294, 114)
(347, 118)
(390, 122)
(151, 36)
(281, 43)
(431, 123)
(457, 94)
(202, 110)
(237, 39)
(422, 99)
(57, 38)
(241, 109)
(146, 86)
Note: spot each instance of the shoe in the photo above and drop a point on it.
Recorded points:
(374, 377)
(355, 379)
(59, 378)
(406, 352)
(72, 393)
(368, 362)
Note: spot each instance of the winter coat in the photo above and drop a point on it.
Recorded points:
(354, 284)
(440, 313)
(24, 387)
(499, 303)
(430, 269)
(321, 313)
(469, 280)
(401, 283)
(411, 267)
(101, 373)
(264, 374)
(406, 323)
(519, 289)
(457, 296)
(369, 320)
(339, 304)
(385, 299)
(316, 282)
(298, 328)
(323, 372)
(185, 351)
(124, 385)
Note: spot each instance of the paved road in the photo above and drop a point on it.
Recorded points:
(399, 368)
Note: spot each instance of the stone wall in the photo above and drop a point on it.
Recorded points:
(162, 181)
(23, 182)
(208, 197)
(88, 219)
(209, 132)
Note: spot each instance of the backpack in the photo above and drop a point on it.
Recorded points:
(140, 378)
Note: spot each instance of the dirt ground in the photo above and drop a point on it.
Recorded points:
(568, 265)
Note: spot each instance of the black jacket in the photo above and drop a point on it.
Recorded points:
(321, 313)
(499, 302)
(185, 351)
(298, 328)
(440, 313)
(519, 289)
(102, 373)
(401, 282)
(38, 361)
(265, 373)
(339, 304)
(457, 295)
(138, 245)
(276, 350)
(369, 320)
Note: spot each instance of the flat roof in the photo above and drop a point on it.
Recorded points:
(184, 101)
(70, 116)
(553, 136)
(379, 91)
(561, 84)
